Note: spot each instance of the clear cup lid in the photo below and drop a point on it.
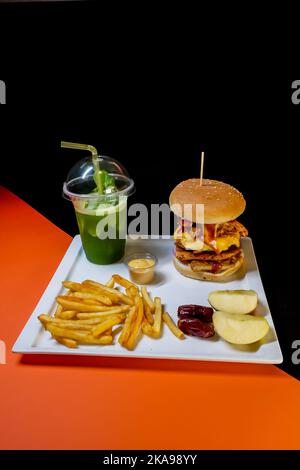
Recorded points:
(81, 180)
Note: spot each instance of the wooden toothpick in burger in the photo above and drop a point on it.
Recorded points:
(202, 167)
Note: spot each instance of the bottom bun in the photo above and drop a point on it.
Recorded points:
(224, 275)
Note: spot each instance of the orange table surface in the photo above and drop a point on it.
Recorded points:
(59, 402)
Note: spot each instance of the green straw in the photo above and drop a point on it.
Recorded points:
(93, 150)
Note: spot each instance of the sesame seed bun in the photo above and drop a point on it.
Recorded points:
(222, 202)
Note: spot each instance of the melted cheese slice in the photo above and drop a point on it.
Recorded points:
(222, 243)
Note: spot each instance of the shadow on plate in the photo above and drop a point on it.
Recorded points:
(159, 279)
(161, 365)
(261, 310)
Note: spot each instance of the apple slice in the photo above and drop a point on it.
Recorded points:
(240, 329)
(234, 301)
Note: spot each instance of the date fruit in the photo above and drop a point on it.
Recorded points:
(196, 311)
(196, 327)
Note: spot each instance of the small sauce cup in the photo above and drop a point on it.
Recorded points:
(141, 266)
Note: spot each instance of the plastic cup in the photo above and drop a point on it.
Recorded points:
(102, 219)
(144, 274)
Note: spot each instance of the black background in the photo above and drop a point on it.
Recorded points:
(142, 92)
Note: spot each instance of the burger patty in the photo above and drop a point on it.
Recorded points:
(213, 266)
(208, 256)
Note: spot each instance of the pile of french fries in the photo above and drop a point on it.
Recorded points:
(94, 313)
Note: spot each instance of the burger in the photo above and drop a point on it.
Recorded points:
(208, 243)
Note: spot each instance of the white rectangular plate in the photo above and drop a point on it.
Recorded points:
(174, 289)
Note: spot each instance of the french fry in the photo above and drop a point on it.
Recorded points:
(103, 340)
(147, 299)
(92, 321)
(154, 331)
(94, 313)
(136, 327)
(97, 320)
(97, 285)
(111, 292)
(128, 292)
(149, 331)
(147, 313)
(157, 316)
(126, 284)
(172, 327)
(102, 289)
(124, 298)
(89, 297)
(86, 321)
(47, 318)
(79, 336)
(86, 296)
(77, 287)
(67, 314)
(105, 313)
(58, 311)
(90, 301)
(86, 292)
(110, 283)
(122, 281)
(69, 343)
(106, 325)
(72, 286)
(79, 306)
(71, 325)
(132, 292)
(126, 328)
(116, 331)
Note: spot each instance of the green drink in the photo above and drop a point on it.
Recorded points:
(101, 215)
(103, 232)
